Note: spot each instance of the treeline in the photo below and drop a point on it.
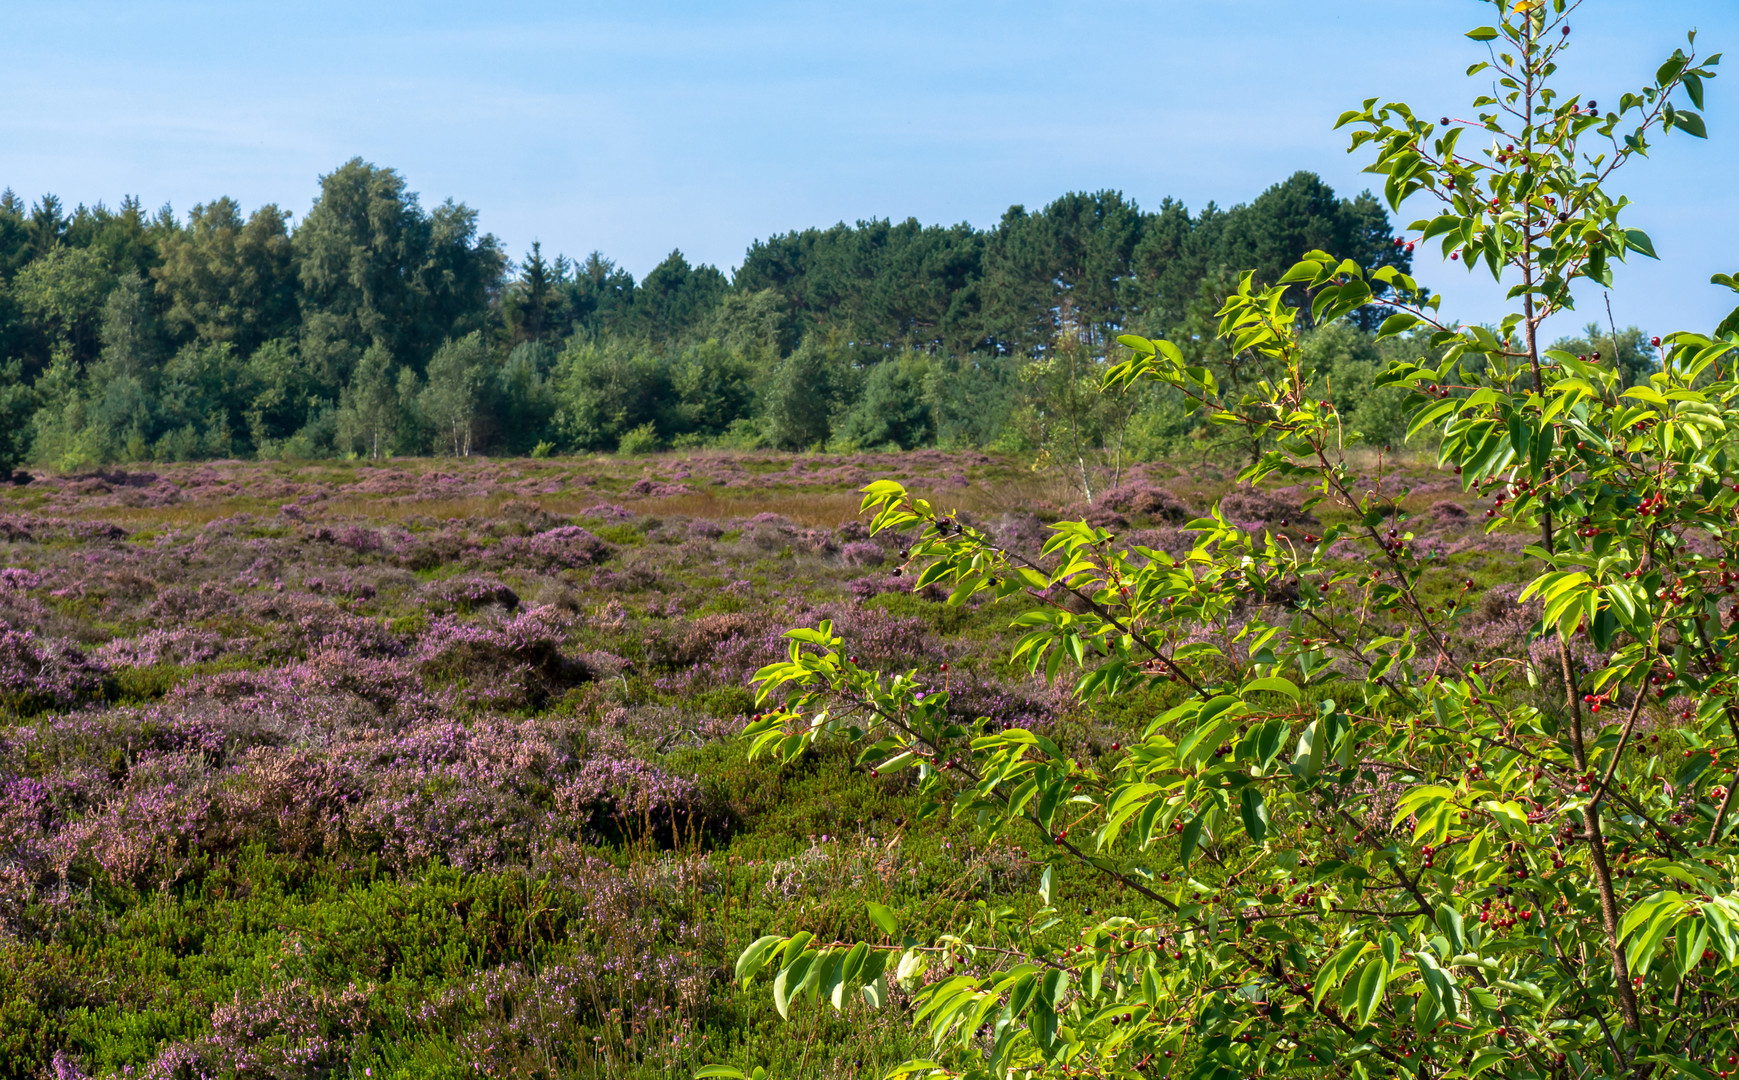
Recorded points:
(375, 326)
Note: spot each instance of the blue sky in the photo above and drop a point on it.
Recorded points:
(636, 128)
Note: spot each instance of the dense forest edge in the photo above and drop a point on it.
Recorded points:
(374, 327)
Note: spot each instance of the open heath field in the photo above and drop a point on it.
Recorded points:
(430, 768)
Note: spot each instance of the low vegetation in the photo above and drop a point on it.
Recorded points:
(432, 768)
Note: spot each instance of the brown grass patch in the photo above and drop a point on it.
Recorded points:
(814, 509)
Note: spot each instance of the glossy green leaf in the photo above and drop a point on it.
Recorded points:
(883, 917)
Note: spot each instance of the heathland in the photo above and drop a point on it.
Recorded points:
(429, 767)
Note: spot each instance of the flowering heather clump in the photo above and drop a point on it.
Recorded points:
(1031, 706)
(617, 791)
(878, 639)
(609, 512)
(1020, 532)
(517, 664)
(650, 488)
(451, 792)
(153, 647)
(1498, 623)
(315, 624)
(358, 539)
(564, 547)
(873, 585)
(1246, 505)
(30, 527)
(181, 603)
(37, 674)
(1146, 500)
(1448, 512)
(426, 551)
(1174, 542)
(862, 553)
(1099, 516)
(693, 643)
(815, 542)
(770, 532)
(16, 579)
(291, 1030)
(470, 593)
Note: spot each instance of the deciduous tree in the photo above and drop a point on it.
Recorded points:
(1356, 842)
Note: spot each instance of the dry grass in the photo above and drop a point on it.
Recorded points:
(181, 514)
(1006, 490)
(811, 508)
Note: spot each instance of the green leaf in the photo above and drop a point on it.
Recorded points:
(754, 958)
(1688, 1067)
(1430, 415)
(828, 976)
(1645, 910)
(1482, 33)
(1192, 835)
(1276, 684)
(875, 992)
(1438, 985)
(1150, 991)
(1215, 706)
(720, 1071)
(1694, 769)
(1690, 123)
(1307, 759)
(1255, 813)
(1509, 813)
(1201, 741)
(1690, 939)
(1330, 974)
(794, 947)
(1637, 240)
(1372, 984)
(1694, 87)
(1398, 323)
(1449, 921)
(1643, 946)
(883, 917)
(782, 999)
(849, 970)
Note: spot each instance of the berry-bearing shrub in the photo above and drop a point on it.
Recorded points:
(1357, 847)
